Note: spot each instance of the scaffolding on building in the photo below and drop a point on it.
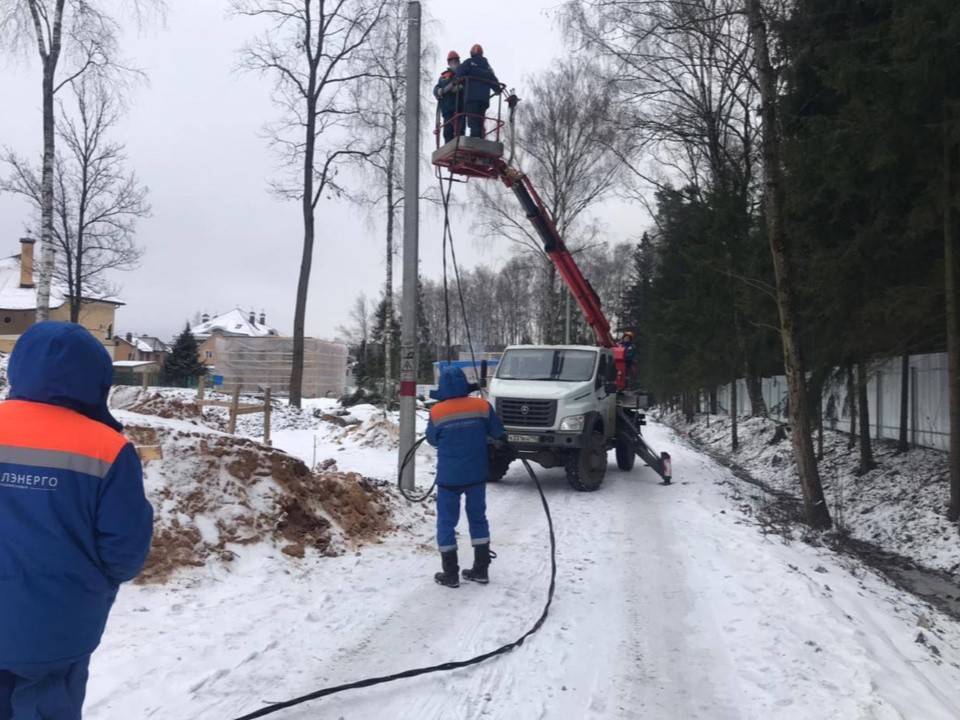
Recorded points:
(255, 363)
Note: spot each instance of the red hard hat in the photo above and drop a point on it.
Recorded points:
(452, 55)
(477, 49)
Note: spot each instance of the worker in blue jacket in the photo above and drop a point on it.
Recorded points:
(447, 92)
(481, 82)
(74, 521)
(458, 427)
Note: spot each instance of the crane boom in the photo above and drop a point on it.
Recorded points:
(559, 255)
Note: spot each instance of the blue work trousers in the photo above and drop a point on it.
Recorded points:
(476, 112)
(452, 123)
(43, 691)
(448, 514)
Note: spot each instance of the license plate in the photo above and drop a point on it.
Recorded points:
(522, 438)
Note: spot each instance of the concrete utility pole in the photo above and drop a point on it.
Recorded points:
(411, 226)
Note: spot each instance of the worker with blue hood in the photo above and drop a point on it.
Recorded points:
(459, 426)
(74, 520)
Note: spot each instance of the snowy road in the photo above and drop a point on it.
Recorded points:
(670, 604)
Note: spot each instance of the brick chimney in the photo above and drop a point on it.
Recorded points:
(130, 338)
(26, 262)
(253, 318)
(263, 318)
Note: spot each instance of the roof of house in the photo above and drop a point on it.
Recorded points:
(134, 364)
(149, 344)
(14, 297)
(234, 323)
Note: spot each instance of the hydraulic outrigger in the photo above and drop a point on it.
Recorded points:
(483, 158)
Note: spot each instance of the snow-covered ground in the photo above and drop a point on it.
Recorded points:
(670, 604)
(899, 506)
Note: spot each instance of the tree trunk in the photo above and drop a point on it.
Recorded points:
(903, 445)
(388, 383)
(734, 406)
(818, 515)
(953, 328)
(820, 426)
(548, 309)
(713, 401)
(306, 261)
(866, 451)
(852, 401)
(75, 268)
(758, 406)
(47, 252)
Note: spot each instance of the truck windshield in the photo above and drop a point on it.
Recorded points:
(547, 364)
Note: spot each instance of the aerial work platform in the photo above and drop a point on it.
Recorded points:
(470, 156)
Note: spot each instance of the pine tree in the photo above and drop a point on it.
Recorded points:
(183, 364)
(426, 352)
(376, 359)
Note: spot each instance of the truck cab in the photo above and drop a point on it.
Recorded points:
(559, 406)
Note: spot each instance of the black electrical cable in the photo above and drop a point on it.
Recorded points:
(403, 466)
(276, 707)
(448, 233)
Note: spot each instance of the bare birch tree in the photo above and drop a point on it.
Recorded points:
(312, 51)
(684, 73)
(97, 201)
(73, 38)
(568, 147)
(379, 124)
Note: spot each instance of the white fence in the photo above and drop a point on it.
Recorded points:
(928, 411)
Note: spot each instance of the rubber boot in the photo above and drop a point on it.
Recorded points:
(450, 577)
(481, 561)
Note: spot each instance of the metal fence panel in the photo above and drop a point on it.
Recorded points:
(928, 415)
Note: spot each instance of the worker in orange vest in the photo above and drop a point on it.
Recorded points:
(448, 94)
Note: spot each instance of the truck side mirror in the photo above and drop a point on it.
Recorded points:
(483, 373)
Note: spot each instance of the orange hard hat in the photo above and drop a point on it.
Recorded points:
(452, 55)
(477, 49)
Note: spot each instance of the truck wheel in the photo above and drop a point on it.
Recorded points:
(586, 468)
(499, 462)
(625, 455)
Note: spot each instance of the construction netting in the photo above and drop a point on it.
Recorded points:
(254, 363)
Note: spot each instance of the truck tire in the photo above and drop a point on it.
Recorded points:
(625, 455)
(499, 462)
(586, 467)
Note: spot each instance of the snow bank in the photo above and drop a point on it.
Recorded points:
(377, 431)
(899, 506)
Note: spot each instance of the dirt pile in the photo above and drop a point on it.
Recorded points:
(212, 493)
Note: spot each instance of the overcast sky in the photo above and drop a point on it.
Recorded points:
(217, 239)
